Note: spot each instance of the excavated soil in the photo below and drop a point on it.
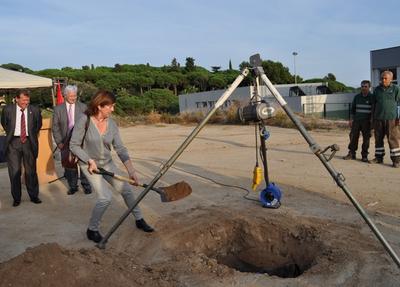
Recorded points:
(212, 246)
(213, 237)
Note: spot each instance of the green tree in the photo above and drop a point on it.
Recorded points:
(198, 79)
(132, 105)
(330, 77)
(175, 66)
(16, 67)
(217, 82)
(109, 83)
(163, 100)
(277, 73)
(243, 65)
(189, 66)
(215, 69)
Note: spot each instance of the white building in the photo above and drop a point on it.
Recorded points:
(307, 98)
(385, 59)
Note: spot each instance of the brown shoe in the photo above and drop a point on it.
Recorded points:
(377, 160)
(349, 156)
(396, 164)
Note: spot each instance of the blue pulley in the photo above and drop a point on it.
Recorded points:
(265, 133)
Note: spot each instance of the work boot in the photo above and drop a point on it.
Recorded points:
(377, 160)
(141, 224)
(94, 235)
(365, 159)
(396, 164)
(349, 156)
(72, 191)
(87, 191)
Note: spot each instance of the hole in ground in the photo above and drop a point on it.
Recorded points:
(290, 270)
(278, 250)
(283, 248)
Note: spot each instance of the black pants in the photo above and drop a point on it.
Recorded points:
(389, 129)
(363, 126)
(17, 154)
(71, 174)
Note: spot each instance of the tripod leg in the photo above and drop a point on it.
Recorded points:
(175, 156)
(315, 148)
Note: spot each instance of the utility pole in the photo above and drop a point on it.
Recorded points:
(294, 64)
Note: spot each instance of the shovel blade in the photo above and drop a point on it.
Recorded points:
(175, 192)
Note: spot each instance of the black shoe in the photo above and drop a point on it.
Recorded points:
(16, 203)
(36, 200)
(349, 156)
(141, 224)
(87, 191)
(94, 235)
(71, 191)
(396, 164)
(365, 159)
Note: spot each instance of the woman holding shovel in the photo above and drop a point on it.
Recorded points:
(91, 142)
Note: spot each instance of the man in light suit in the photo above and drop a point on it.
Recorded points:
(64, 118)
(22, 123)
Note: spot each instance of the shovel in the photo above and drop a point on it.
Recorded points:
(169, 193)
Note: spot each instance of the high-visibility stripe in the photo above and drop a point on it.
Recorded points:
(363, 111)
(380, 148)
(363, 106)
(379, 152)
(395, 153)
(395, 149)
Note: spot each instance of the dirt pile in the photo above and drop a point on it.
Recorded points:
(214, 246)
(52, 265)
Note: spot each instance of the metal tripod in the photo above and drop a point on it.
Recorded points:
(255, 61)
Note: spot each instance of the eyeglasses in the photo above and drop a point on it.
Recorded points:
(364, 86)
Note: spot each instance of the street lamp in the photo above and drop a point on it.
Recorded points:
(294, 63)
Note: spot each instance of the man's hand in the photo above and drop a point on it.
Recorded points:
(92, 166)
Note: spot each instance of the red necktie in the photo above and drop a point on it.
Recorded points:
(23, 127)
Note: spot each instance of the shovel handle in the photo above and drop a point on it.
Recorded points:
(131, 181)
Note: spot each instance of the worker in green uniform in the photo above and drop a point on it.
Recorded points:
(385, 101)
(360, 122)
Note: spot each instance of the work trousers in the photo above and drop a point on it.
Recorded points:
(389, 129)
(363, 126)
(103, 185)
(19, 153)
(71, 174)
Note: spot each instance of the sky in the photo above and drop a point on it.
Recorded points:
(328, 36)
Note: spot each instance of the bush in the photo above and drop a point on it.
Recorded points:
(163, 100)
(133, 105)
(153, 118)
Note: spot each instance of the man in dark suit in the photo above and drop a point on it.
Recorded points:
(22, 123)
(64, 118)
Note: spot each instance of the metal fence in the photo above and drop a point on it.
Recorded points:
(334, 111)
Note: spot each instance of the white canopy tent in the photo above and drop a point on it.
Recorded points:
(17, 80)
